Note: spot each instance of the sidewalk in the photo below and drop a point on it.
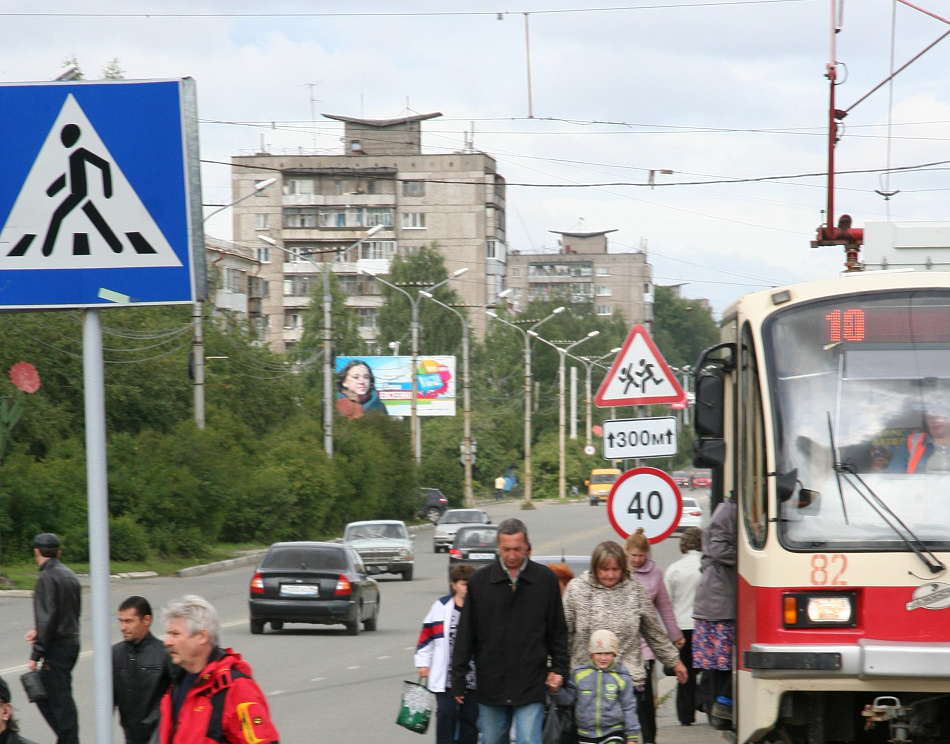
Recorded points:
(668, 728)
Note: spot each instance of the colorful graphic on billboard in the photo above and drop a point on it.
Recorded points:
(383, 384)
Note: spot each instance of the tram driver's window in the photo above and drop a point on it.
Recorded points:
(752, 481)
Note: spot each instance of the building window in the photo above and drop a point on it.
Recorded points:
(377, 249)
(300, 217)
(516, 273)
(299, 186)
(262, 322)
(341, 186)
(298, 286)
(413, 188)
(413, 220)
(368, 318)
(258, 287)
(496, 249)
(234, 281)
(356, 148)
(377, 216)
(359, 286)
(297, 253)
(604, 291)
(260, 221)
(371, 187)
(258, 182)
(263, 254)
(604, 310)
(292, 321)
(603, 271)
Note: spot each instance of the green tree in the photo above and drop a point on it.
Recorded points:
(682, 328)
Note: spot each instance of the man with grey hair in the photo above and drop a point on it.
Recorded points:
(213, 697)
(512, 623)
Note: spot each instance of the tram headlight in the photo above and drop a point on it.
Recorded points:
(816, 610)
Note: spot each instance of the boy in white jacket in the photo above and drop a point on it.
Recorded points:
(433, 660)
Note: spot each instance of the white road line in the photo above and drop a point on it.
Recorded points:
(317, 679)
(276, 692)
(232, 623)
(24, 667)
(383, 657)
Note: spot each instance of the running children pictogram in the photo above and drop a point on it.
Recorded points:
(77, 210)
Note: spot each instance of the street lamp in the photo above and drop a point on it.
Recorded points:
(198, 350)
(466, 404)
(562, 354)
(589, 364)
(327, 332)
(415, 432)
(527, 393)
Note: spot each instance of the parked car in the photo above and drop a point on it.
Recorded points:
(313, 582)
(680, 478)
(475, 544)
(384, 545)
(448, 525)
(701, 479)
(691, 516)
(432, 505)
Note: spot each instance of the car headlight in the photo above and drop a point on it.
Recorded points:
(819, 609)
(404, 553)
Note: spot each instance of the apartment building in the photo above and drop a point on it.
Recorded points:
(233, 278)
(585, 270)
(322, 205)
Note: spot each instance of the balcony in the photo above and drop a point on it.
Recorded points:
(233, 301)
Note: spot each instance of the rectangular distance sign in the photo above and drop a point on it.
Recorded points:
(626, 439)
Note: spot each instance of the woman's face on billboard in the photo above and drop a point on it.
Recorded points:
(357, 380)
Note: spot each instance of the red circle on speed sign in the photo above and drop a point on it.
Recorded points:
(647, 498)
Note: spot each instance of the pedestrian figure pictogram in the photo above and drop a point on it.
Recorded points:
(640, 378)
(76, 208)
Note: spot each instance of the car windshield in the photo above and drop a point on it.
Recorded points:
(305, 559)
(604, 478)
(690, 504)
(460, 517)
(376, 531)
(861, 405)
(477, 539)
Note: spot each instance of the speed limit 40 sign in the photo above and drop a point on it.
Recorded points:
(647, 498)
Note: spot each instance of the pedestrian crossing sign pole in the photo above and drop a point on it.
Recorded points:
(100, 207)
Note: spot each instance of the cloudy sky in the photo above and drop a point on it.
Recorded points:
(730, 96)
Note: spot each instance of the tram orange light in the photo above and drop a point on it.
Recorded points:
(789, 610)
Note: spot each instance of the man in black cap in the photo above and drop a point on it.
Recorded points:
(141, 672)
(55, 638)
(9, 730)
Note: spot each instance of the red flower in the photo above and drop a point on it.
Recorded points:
(25, 377)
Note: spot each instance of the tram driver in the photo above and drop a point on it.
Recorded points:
(927, 450)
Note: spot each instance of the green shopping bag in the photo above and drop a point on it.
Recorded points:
(416, 708)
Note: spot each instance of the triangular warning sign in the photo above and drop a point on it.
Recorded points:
(76, 209)
(639, 376)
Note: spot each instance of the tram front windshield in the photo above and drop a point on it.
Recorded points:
(861, 405)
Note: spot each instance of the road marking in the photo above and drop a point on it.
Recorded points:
(317, 679)
(383, 657)
(276, 692)
(24, 667)
(232, 623)
(353, 667)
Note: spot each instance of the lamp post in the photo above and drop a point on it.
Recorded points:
(198, 350)
(327, 333)
(415, 432)
(562, 356)
(466, 401)
(527, 394)
(589, 364)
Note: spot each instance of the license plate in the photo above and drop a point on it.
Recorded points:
(481, 556)
(383, 568)
(299, 590)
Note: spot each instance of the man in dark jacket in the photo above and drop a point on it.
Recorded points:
(55, 637)
(141, 672)
(511, 624)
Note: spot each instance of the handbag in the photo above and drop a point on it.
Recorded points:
(415, 709)
(33, 685)
(558, 727)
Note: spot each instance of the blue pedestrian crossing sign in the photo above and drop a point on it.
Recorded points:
(100, 200)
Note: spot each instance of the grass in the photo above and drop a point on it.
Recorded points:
(24, 574)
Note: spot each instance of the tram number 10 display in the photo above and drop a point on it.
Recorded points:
(845, 325)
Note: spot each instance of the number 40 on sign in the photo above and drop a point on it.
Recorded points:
(647, 498)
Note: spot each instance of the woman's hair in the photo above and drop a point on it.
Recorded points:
(638, 540)
(562, 570)
(608, 551)
(341, 376)
(691, 539)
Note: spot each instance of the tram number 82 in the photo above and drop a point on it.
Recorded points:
(654, 505)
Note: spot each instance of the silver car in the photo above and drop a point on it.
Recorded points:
(449, 524)
(385, 546)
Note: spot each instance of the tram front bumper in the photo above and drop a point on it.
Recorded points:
(867, 658)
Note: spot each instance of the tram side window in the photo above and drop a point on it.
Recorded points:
(752, 482)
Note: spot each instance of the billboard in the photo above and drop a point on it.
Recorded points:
(383, 384)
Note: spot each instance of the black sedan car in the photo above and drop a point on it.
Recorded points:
(475, 544)
(313, 582)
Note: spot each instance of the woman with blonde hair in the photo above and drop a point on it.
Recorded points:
(608, 597)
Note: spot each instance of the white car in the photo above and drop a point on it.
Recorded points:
(449, 524)
(692, 515)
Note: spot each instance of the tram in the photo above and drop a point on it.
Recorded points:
(821, 413)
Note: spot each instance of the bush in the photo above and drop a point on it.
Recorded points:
(128, 540)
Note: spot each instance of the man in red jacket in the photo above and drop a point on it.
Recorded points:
(213, 697)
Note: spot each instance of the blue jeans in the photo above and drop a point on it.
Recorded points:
(494, 721)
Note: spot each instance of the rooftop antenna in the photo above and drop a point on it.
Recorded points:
(313, 115)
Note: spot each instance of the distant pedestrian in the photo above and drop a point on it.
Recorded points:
(500, 483)
(141, 672)
(213, 697)
(55, 637)
(434, 662)
(512, 624)
(9, 726)
(602, 694)
(681, 579)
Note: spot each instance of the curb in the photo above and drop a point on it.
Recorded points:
(205, 568)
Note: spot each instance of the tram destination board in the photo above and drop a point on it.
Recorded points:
(641, 437)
